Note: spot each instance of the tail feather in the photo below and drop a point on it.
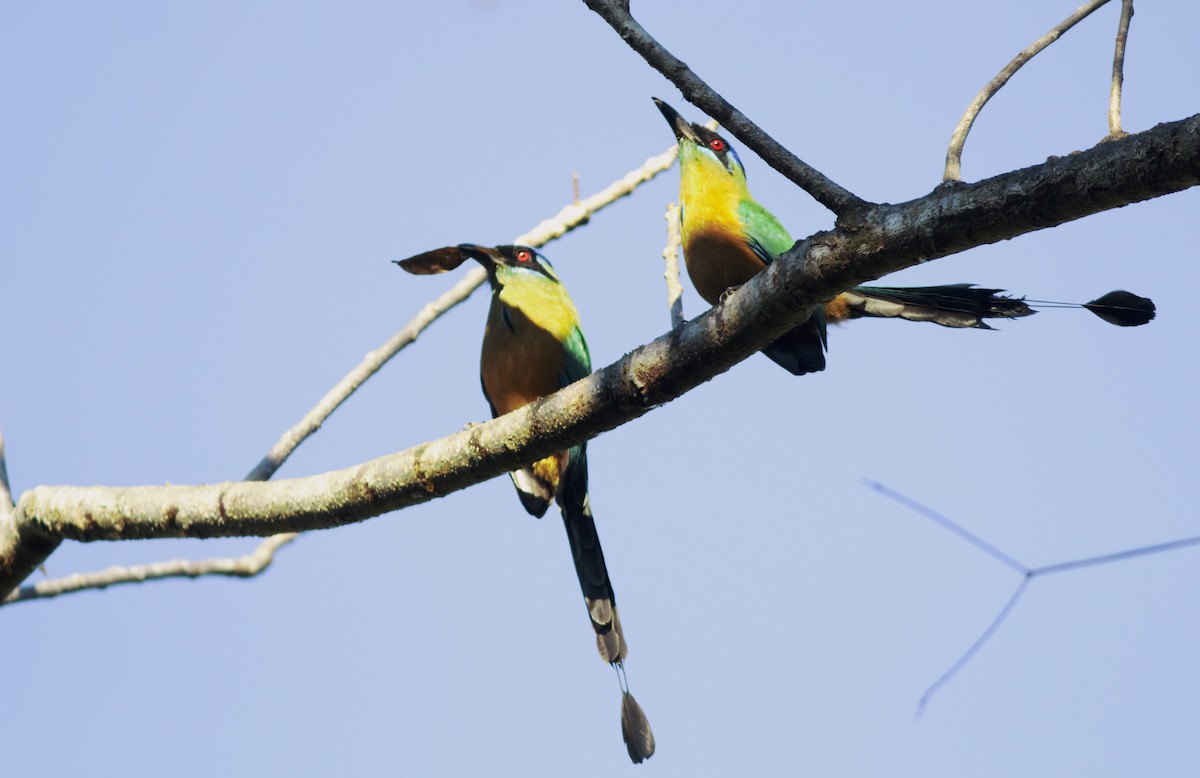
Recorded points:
(601, 602)
(535, 492)
(635, 730)
(801, 350)
(593, 579)
(1124, 309)
(950, 305)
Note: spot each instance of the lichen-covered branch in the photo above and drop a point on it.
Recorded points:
(824, 190)
(671, 273)
(570, 217)
(887, 238)
(958, 139)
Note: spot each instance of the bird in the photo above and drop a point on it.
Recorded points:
(728, 237)
(533, 346)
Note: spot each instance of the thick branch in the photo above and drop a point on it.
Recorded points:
(570, 217)
(890, 237)
(824, 190)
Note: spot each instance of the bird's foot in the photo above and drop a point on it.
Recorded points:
(729, 291)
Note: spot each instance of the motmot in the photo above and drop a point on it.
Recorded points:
(728, 237)
(533, 346)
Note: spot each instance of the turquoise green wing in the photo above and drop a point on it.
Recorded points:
(577, 362)
(803, 349)
(764, 234)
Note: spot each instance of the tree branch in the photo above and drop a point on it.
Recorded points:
(1118, 74)
(6, 500)
(890, 237)
(824, 190)
(245, 566)
(20, 550)
(671, 273)
(570, 217)
(1027, 574)
(953, 171)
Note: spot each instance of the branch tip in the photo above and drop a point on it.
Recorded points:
(953, 169)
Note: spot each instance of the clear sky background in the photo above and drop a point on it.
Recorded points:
(199, 204)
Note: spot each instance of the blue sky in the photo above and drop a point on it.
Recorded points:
(198, 209)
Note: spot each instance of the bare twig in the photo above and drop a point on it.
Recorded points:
(671, 255)
(371, 363)
(949, 525)
(953, 171)
(975, 648)
(1027, 575)
(236, 567)
(824, 190)
(6, 500)
(1118, 74)
(566, 220)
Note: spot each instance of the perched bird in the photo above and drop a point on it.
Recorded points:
(728, 237)
(533, 346)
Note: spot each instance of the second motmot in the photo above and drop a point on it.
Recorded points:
(728, 237)
(533, 346)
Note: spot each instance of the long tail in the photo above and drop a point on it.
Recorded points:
(950, 305)
(965, 305)
(601, 602)
(1124, 309)
(593, 579)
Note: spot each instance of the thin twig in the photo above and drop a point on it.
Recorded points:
(953, 171)
(1118, 74)
(570, 217)
(823, 189)
(1116, 556)
(6, 500)
(1027, 575)
(371, 363)
(245, 566)
(671, 255)
(8, 516)
(970, 653)
(947, 524)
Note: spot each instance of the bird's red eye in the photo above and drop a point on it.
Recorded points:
(524, 255)
(716, 144)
